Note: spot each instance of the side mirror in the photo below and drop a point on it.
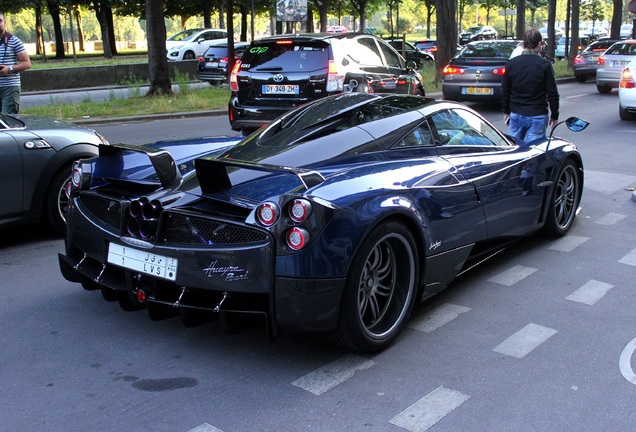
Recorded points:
(411, 64)
(575, 124)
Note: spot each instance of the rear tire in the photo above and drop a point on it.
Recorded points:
(624, 114)
(565, 199)
(380, 290)
(604, 89)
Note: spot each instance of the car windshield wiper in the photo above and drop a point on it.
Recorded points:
(272, 68)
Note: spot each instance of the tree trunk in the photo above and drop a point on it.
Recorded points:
(54, 11)
(446, 11)
(574, 43)
(80, 30)
(111, 28)
(221, 7)
(617, 19)
(520, 26)
(157, 62)
(39, 36)
(323, 6)
(207, 14)
(551, 22)
(243, 11)
(100, 13)
(310, 18)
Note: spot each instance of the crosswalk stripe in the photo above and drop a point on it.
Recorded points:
(205, 427)
(610, 219)
(525, 340)
(513, 275)
(568, 243)
(590, 293)
(429, 410)
(629, 259)
(437, 317)
(329, 376)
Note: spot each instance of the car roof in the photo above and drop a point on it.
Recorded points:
(299, 37)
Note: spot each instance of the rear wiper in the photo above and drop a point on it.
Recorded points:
(273, 68)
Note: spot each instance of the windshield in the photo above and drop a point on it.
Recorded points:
(184, 35)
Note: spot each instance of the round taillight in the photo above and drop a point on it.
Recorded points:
(267, 213)
(299, 210)
(76, 174)
(297, 238)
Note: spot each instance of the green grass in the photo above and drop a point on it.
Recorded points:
(184, 99)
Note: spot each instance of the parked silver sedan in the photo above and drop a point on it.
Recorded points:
(611, 64)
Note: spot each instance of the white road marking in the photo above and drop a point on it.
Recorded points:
(629, 259)
(429, 410)
(525, 340)
(513, 275)
(625, 361)
(607, 182)
(590, 293)
(568, 243)
(329, 376)
(205, 427)
(610, 219)
(437, 317)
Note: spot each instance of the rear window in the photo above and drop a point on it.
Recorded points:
(622, 49)
(491, 50)
(288, 56)
(218, 52)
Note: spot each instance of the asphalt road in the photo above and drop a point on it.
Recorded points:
(541, 338)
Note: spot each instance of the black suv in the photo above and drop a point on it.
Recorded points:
(213, 64)
(278, 73)
(476, 33)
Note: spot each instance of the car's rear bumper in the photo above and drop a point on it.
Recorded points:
(458, 92)
(252, 117)
(216, 278)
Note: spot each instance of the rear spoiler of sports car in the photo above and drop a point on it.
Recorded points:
(162, 161)
(214, 177)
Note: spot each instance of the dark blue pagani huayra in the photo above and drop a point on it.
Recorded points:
(335, 218)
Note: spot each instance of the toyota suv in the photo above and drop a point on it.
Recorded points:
(279, 73)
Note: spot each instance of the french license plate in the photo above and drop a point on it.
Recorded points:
(618, 63)
(280, 89)
(142, 261)
(212, 64)
(477, 90)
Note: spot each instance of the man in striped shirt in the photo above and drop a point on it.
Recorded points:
(13, 60)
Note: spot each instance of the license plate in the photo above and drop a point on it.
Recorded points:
(618, 63)
(280, 89)
(477, 90)
(142, 261)
(212, 64)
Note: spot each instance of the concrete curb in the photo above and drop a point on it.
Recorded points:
(167, 116)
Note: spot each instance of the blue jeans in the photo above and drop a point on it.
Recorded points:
(528, 128)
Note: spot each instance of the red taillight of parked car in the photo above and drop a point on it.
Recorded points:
(499, 71)
(627, 79)
(578, 60)
(233, 79)
(201, 60)
(453, 70)
(334, 80)
(601, 60)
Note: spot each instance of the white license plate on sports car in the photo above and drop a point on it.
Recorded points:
(142, 261)
(280, 89)
(477, 90)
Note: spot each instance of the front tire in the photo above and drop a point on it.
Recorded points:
(380, 290)
(565, 200)
(188, 55)
(56, 200)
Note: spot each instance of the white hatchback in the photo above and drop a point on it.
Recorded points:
(195, 45)
(627, 93)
